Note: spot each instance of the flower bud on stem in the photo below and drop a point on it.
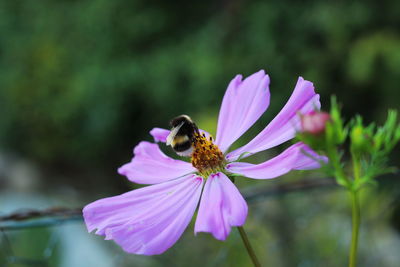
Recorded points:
(370, 145)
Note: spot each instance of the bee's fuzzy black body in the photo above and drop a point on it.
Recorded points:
(182, 134)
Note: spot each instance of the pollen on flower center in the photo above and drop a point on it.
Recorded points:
(206, 156)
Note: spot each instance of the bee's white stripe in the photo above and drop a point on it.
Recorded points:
(173, 133)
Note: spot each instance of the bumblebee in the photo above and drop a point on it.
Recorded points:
(182, 134)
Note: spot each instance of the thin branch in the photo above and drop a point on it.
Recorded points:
(30, 213)
(39, 218)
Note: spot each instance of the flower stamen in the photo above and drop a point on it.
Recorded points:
(207, 158)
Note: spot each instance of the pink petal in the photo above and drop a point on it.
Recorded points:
(221, 207)
(243, 104)
(297, 157)
(159, 134)
(284, 126)
(148, 220)
(151, 166)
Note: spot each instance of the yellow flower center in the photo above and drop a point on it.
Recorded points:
(206, 156)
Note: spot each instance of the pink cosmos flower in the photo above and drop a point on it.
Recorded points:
(151, 219)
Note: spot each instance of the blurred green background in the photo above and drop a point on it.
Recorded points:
(82, 82)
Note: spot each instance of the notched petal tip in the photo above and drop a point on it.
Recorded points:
(236, 81)
(243, 104)
(297, 157)
(122, 170)
(285, 125)
(87, 218)
(159, 134)
(309, 159)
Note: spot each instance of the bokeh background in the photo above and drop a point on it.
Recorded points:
(82, 82)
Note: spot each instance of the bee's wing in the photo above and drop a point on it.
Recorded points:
(173, 133)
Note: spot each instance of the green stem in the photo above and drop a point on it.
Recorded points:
(356, 165)
(247, 244)
(355, 210)
(353, 190)
(334, 159)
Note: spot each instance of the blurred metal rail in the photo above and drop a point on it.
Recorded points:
(39, 218)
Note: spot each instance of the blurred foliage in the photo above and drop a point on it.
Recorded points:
(44, 252)
(82, 81)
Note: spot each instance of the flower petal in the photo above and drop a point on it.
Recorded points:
(242, 105)
(148, 220)
(159, 134)
(151, 166)
(221, 207)
(284, 126)
(297, 157)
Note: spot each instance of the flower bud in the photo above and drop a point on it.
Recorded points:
(361, 141)
(314, 122)
(357, 136)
